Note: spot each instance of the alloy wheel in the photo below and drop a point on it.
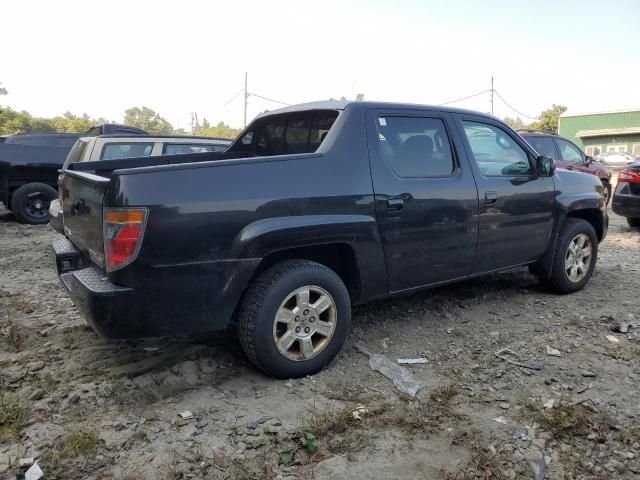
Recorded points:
(304, 323)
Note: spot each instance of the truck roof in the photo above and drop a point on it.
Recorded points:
(342, 104)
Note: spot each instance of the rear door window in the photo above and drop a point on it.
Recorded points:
(114, 151)
(415, 146)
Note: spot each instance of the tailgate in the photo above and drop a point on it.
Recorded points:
(82, 195)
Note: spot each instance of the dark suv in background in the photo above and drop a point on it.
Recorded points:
(568, 156)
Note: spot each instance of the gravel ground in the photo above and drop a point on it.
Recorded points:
(86, 407)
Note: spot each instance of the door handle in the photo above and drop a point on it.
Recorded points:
(395, 204)
(490, 198)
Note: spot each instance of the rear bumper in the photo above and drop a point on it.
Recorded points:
(625, 203)
(175, 302)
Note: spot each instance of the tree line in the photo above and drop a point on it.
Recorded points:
(547, 121)
(14, 121)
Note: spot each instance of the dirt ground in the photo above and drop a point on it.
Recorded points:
(86, 407)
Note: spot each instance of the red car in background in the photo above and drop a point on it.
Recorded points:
(568, 156)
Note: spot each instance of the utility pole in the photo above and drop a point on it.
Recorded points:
(491, 95)
(246, 97)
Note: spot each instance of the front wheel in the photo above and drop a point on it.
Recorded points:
(575, 256)
(294, 318)
(634, 222)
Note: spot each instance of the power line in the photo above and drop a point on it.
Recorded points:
(228, 101)
(269, 99)
(517, 111)
(463, 98)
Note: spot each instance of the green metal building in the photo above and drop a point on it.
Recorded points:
(603, 132)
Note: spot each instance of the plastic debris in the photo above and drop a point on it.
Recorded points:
(549, 403)
(359, 412)
(151, 349)
(25, 462)
(612, 339)
(258, 422)
(501, 420)
(186, 415)
(504, 353)
(537, 464)
(34, 473)
(621, 327)
(554, 352)
(412, 361)
(400, 376)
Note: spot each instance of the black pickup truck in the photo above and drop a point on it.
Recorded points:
(312, 209)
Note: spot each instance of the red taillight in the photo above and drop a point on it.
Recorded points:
(123, 230)
(629, 176)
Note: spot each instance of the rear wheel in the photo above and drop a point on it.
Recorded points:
(294, 318)
(575, 256)
(30, 203)
(634, 222)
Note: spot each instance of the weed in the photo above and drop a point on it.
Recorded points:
(13, 418)
(566, 420)
(80, 443)
(11, 331)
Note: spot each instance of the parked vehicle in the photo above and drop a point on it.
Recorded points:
(117, 146)
(29, 165)
(569, 156)
(28, 171)
(312, 209)
(616, 159)
(626, 199)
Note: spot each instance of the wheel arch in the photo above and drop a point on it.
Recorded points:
(348, 244)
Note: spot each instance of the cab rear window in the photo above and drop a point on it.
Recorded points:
(287, 134)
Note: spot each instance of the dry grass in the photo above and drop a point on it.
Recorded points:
(11, 332)
(13, 417)
(484, 464)
(339, 432)
(567, 420)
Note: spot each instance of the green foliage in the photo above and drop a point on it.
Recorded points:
(515, 123)
(148, 120)
(549, 119)
(286, 458)
(257, 442)
(12, 121)
(308, 439)
(220, 130)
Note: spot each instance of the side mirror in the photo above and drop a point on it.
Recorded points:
(588, 160)
(545, 166)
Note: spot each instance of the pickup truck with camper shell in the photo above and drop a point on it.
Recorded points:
(312, 209)
(115, 146)
(29, 164)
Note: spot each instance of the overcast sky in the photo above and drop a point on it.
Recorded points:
(183, 56)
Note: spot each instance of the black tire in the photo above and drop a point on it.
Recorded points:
(258, 312)
(559, 282)
(607, 192)
(633, 222)
(30, 203)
